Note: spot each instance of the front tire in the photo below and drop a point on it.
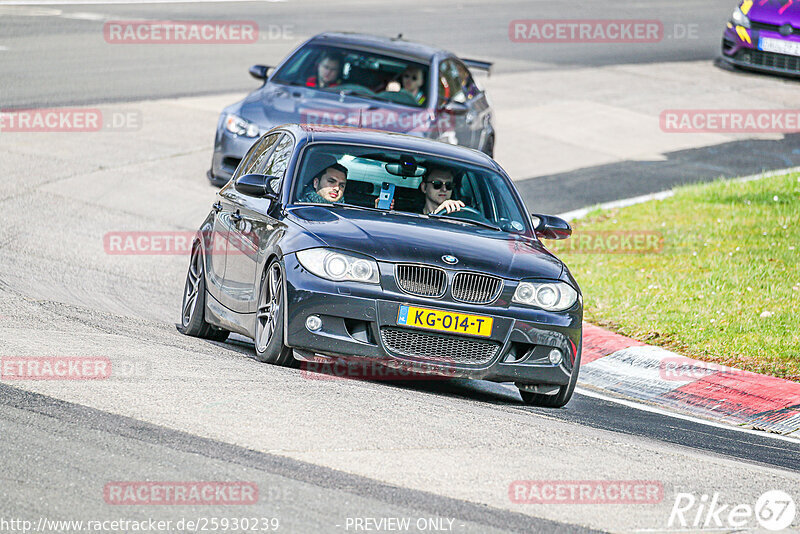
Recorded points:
(270, 319)
(560, 399)
(193, 307)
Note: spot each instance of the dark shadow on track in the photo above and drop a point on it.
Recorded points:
(577, 189)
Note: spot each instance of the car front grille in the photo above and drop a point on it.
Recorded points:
(439, 348)
(476, 288)
(759, 58)
(761, 26)
(421, 280)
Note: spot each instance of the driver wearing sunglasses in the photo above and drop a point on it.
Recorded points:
(438, 188)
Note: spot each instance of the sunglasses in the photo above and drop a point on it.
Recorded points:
(438, 184)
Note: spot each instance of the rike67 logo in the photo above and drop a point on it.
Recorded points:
(774, 510)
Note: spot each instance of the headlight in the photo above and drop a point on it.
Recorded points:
(739, 18)
(338, 266)
(239, 126)
(550, 296)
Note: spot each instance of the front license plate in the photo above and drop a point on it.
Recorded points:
(445, 321)
(779, 46)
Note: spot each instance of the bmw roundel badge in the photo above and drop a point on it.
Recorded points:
(450, 259)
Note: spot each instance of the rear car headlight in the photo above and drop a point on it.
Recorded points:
(339, 266)
(550, 296)
(739, 18)
(239, 126)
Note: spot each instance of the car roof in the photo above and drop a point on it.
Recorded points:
(384, 44)
(318, 133)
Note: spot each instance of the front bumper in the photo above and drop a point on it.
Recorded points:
(360, 321)
(740, 48)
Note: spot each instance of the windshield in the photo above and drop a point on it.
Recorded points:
(358, 73)
(407, 183)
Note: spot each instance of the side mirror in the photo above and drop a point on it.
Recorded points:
(256, 185)
(550, 227)
(259, 72)
(456, 108)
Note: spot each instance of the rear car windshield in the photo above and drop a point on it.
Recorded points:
(366, 74)
(361, 173)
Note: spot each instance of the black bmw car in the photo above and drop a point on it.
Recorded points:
(336, 242)
(363, 81)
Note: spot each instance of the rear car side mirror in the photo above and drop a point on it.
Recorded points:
(256, 185)
(260, 72)
(550, 227)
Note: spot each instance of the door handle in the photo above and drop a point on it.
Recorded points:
(217, 206)
(236, 217)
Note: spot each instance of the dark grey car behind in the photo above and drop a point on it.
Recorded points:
(456, 111)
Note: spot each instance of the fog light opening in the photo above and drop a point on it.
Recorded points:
(556, 357)
(313, 323)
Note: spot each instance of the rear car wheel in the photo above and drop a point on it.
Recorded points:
(557, 400)
(193, 322)
(270, 318)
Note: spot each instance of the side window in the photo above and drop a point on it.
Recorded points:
(278, 161)
(451, 85)
(468, 86)
(261, 155)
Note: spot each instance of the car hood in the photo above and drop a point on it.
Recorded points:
(775, 12)
(401, 238)
(275, 104)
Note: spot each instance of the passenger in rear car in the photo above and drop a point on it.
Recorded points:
(329, 71)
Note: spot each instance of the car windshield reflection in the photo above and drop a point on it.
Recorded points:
(409, 184)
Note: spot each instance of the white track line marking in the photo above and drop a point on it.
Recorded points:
(3, 48)
(661, 195)
(653, 409)
(84, 16)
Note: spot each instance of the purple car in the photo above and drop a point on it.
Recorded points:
(764, 35)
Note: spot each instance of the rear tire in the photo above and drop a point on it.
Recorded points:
(193, 307)
(270, 319)
(560, 399)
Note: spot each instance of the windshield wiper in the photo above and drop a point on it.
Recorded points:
(470, 221)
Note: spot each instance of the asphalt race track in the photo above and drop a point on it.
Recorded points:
(325, 452)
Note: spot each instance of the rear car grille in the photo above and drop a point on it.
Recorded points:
(439, 348)
(476, 288)
(770, 60)
(421, 280)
